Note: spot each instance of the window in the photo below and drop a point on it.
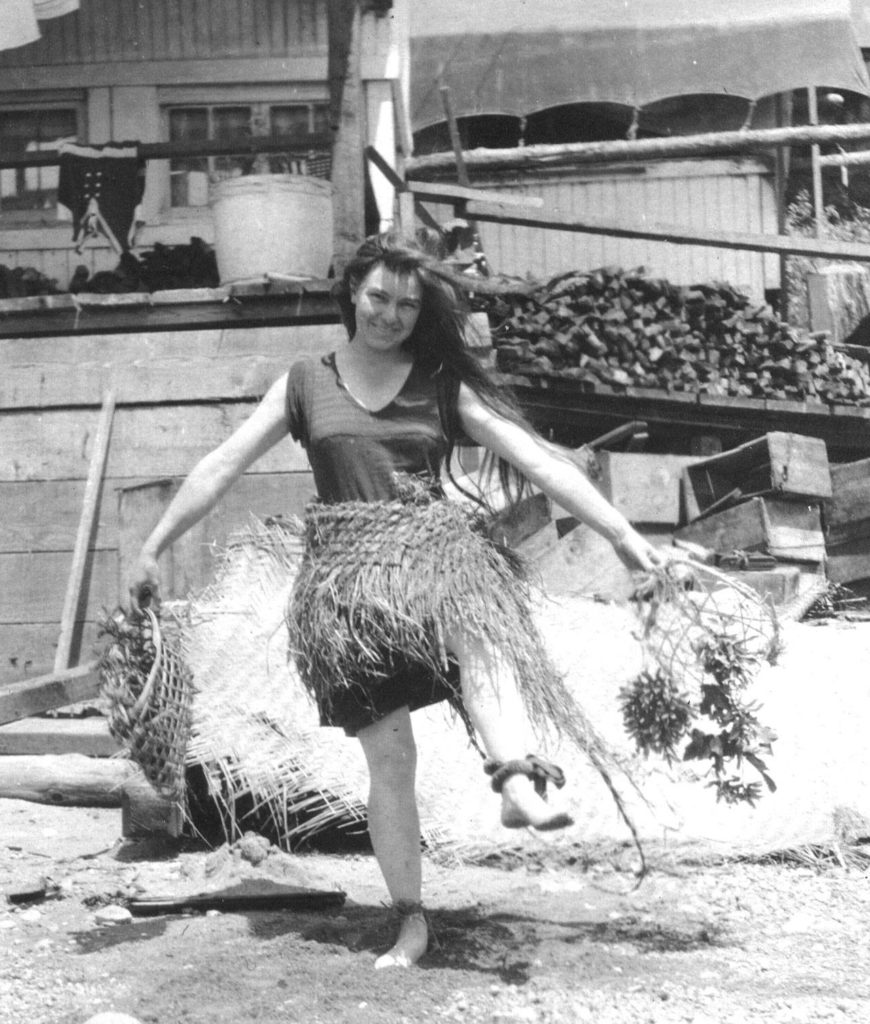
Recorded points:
(191, 176)
(30, 193)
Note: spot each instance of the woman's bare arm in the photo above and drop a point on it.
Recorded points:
(556, 475)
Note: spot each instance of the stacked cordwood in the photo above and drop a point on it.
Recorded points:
(626, 329)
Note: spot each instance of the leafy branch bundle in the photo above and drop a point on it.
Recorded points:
(625, 329)
(704, 638)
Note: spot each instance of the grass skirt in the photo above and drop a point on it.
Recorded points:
(381, 588)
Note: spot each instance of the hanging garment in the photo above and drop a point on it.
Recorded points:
(19, 24)
(101, 186)
(45, 9)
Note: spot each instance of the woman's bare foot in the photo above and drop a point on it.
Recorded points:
(522, 807)
(411, 944)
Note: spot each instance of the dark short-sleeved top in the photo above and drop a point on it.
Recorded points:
(356, 454)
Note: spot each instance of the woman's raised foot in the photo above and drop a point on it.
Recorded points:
(522, 807)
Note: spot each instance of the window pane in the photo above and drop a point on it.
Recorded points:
(33, 131)
(188, 176)
(291, 120)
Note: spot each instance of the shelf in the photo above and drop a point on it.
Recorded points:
(566, 406)
(260, 303)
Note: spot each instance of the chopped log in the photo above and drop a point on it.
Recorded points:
(45, 693)
(66, 780)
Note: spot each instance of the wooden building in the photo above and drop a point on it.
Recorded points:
(604, 71)
(177, 372)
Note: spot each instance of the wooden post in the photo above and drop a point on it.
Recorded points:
(346, 120)
(83, 537)
(780, 179)
(818, 197)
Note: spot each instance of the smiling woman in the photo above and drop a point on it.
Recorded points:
(402, 599)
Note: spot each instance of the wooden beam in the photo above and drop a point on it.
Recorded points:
(677, 234)
(89, 736)
(272, 304)
(437, 192)
(687, 146)
(45, 693)
(346, 114)
(84, 534)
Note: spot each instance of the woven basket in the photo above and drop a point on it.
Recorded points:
(149, 713)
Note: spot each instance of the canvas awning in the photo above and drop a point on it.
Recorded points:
(517, 57)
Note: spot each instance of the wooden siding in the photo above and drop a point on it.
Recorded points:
(715, 194)
(138, 31)
(178, 395)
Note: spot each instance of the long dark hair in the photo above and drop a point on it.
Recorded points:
(438, 342)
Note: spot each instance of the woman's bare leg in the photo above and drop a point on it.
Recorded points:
(394, 827)
(494, 705)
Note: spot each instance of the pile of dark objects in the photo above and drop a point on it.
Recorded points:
(624, 329)
(158, 268)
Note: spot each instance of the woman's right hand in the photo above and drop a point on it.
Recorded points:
(145, 584)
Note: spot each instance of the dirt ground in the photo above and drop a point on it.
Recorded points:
(554, 939)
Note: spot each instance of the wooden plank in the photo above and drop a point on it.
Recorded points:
(93, 488)
(142, 368)
(46, 693)
(788, 530)
(236, 310)
(31, 592)
(440, 192)
(89, 736)
(847, 514)
(190, 563)
(148, 441)
(24, 526)
(28, 648)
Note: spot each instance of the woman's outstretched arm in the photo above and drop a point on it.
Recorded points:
(556, 475)
(207, 482)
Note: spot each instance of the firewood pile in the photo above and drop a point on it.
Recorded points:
(626, 330)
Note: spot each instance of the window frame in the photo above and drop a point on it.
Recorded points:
(35, 103)
(260, 98)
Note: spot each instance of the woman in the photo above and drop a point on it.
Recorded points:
(401, 599)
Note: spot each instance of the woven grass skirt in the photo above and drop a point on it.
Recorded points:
(381, 588)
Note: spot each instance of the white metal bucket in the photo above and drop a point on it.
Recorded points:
(272, 224)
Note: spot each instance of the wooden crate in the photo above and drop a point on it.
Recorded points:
(788, 530)
(786, 465)
(849, 561)
(847, 514)
(646, 488)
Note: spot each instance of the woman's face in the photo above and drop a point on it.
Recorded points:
(387, 306)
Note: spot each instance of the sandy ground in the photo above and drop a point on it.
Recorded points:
(556, 938)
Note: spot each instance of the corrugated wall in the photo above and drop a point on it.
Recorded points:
(722, 195)
(149, 30)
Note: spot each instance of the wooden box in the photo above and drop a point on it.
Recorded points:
(786, 465)
(788, 530)
(847, 514)
(849, 561)
(646, 488)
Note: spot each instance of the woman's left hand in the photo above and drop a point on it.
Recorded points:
(637, 552)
